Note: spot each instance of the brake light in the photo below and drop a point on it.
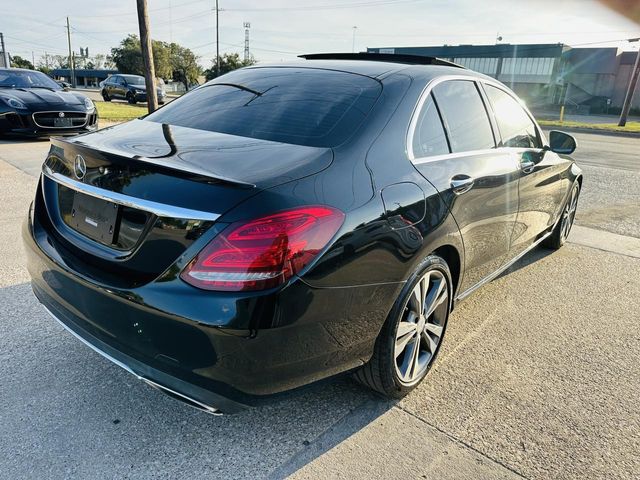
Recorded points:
(265, 252)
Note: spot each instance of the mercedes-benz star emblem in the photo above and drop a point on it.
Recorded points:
(61, 114)
(79, 167)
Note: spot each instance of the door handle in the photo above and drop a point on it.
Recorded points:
(461, 184)
(527, 166)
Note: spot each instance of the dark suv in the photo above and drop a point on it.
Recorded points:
(131, 88)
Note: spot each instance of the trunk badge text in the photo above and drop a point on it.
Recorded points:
(79, 167)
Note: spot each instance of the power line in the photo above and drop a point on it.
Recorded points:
(239, 45)
(335, 6)
(158, 24)
(18, 40)
(34, 20)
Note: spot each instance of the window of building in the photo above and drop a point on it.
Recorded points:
(428, 137)
(527, 66)
(516, 127)
(488, 66)
(464, 115)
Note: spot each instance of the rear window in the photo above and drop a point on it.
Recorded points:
(303, 106)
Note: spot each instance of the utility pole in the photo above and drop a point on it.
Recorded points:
(147, 56)
(247, 54)
(217, 41)
(633, 81)
(5, 57)
(72, 67)
(33, 60)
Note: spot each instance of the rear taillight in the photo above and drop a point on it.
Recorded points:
(265, 252)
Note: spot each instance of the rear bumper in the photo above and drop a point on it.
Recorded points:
(218, 352)
(198, 397)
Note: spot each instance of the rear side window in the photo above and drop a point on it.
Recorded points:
(464, 115)
(304, 106)
(428, 137)
(516, 128)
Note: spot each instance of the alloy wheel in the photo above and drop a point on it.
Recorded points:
(569, 213)
(421, 327)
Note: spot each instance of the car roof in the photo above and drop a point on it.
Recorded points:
(376, 69)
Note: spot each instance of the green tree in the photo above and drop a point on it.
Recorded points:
(184, 64)
(44, 69)
(60, 61)
(228, 62)
(19, 62)
(128, 57)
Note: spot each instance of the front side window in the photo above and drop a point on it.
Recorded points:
(516, 128)
(133, 79)
(464, 115)
(429, 138)
(303, 106)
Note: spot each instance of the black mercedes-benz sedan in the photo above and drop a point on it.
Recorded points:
(282, 224)
(32, 104)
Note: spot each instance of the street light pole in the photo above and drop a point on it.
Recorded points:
(633, 81)
(217, 41)
(353, 42)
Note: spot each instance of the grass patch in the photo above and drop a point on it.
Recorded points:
(609, 127)
(119, 112)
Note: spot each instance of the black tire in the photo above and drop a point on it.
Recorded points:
(381, 373)
(131, 98)
(105, 96)
(561, 231)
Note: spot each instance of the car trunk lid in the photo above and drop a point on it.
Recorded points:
(124, 203)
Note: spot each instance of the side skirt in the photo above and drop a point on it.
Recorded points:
(495, 274)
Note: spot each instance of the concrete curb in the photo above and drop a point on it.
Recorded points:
(606, 241)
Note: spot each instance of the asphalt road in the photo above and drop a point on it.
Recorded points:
(608, 151)
(538, 376)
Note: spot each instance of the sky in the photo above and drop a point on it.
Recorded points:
(282, 29)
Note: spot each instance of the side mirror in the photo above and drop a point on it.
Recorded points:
(560, 142)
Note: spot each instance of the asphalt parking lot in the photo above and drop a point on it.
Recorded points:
(538, 377)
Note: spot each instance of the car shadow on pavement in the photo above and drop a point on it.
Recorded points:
(75, 414)
(530, 258)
